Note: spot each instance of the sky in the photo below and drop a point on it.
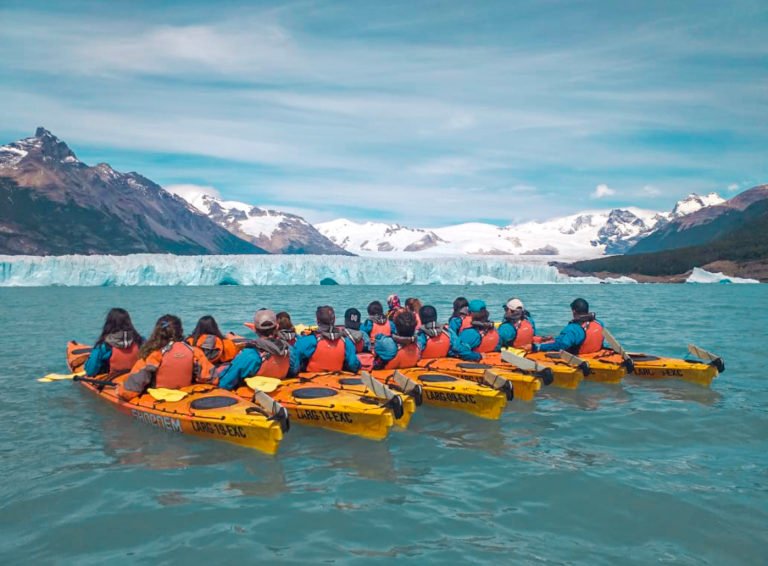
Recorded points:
(423, 113)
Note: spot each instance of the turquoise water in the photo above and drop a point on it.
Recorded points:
(638, 473)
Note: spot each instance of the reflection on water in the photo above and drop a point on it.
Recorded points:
(677, 390)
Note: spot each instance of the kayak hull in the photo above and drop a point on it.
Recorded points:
(451, 392)
(524, 386)
(563, 375)
(602, 371)
(658, 367)
(349, 382)
(239, 422)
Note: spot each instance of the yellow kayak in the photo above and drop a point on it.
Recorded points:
(524, 385)
(451, 392)
(603, 371)
(563, 375)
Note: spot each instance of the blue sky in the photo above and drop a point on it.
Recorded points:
(425, 113)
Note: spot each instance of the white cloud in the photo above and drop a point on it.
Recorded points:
(601, 191)
(733, 187)
(651, 191)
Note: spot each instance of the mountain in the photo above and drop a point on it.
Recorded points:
(51, 203)
(703, 225)
(275, 231)
(587, 234)
(731, 237)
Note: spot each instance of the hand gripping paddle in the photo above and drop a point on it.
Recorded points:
(497, 382)
(702, 354)
(616, 347)
(575, 361)
(409, 387)
(381, 391)
(533, 366)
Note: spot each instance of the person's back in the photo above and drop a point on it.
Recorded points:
(460, 319)
(482, 336)
(440, 341)
(212, 342)
(166, 361)
(518, 328)
(268, 355)
(117, 348)
(581, 336)
(327, 349)
(401, 349)
(377, 322)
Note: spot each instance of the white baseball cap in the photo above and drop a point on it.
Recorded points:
(513, 304)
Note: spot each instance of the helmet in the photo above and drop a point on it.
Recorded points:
(265, 319)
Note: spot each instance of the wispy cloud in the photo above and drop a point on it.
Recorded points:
(357, 100)
(602, 191)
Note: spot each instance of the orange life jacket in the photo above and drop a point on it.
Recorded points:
(524, 335)
(274, 366)
(407, 357)
(177, 367)
(366, 361)
(379, 328)
(328, 356)
(489, 342)
(215, 349)
(593, 341)
(437, 346)
(466, 322)
(122, 359)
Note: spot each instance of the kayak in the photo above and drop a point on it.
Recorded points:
(599, 370)
(204, 411)
(563, 375)
(450, 392)
(524, 385)
(350, 382)
(315, 404)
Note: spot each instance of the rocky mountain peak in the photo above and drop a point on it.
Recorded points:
(694, 202)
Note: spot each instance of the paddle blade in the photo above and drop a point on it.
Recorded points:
(521, 363)
(408, 386)
(260, 383)
(163, 394)
(614, 344)
(274, 410)
(59, 376)
(250, 326)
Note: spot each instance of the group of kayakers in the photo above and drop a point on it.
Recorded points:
(396, 339)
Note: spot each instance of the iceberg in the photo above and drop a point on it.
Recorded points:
(699, 275)
(169, 270)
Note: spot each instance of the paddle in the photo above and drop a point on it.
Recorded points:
(702, 354)
(59, 376)
(163, 394)
(575, 361)
(533, 366)
(381, 391)
(92, 381)
(409, 387)
(495, 381)
(616, 347)
(260, 383)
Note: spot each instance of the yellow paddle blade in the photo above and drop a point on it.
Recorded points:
(265, 384)
(163, 394)
(59, 376)
(516, 351)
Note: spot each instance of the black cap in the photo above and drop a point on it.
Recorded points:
(427, 314)
(580, 306)
(352, 319)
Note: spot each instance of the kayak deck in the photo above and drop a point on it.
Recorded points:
(524, 386)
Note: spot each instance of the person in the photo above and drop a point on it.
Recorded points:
(326, 349)
(460, 318)
(351, 330)
(436, 341)
(393, 306)
(413, 304)
(518, 328)
(583, 335)
(211, 341)
(286, 330)
(268, 355)
(166, 360)
(117, 348)
(399, 350)
(377, 323)
(482, 335)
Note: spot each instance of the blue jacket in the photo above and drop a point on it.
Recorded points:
(386, 347)
(367, 327)
(305, 347)
(455, 323)
(458, 348)
(571, 337)
(472, 339)
(508, 332)
(246, 364)
(98, 362)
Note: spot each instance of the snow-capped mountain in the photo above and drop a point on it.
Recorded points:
(272, 230)
(586, 234)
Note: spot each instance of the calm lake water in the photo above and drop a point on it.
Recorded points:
(637, 473)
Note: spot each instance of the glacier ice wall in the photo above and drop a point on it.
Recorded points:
(161, 269)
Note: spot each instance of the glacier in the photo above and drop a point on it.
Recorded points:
(169, 270)
(699, 275)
